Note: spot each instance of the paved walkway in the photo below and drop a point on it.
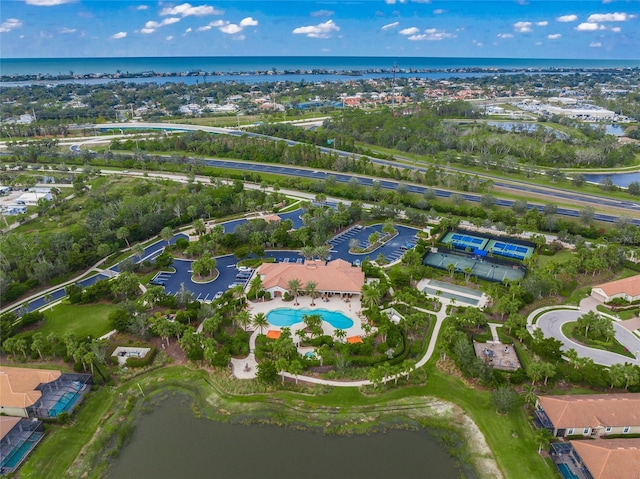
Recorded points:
(494, 331)
(245, 368)
(552, 318)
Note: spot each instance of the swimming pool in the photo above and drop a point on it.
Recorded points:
(288, 317)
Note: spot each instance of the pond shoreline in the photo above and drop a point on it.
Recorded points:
(445, 422)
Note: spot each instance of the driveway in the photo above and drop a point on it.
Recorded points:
(551, 323)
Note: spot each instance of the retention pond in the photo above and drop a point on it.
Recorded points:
(171, 442)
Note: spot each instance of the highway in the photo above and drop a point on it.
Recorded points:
(632, 208)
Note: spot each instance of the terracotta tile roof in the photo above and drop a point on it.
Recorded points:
(630, 286)
(354, 339)
(271, 218)
(17, 385)
(592, 410)
(336, 276)
(610, 458)
(7, 423)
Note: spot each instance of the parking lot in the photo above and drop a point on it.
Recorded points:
(229, 275)
(392, 250)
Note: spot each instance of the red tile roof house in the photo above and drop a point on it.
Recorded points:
(627, 288)
(610, 458)
(335, 277)
(589, 415)
(26, 392)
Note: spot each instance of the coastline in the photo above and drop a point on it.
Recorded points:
(219, 68)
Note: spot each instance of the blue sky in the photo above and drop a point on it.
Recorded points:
(608, 29)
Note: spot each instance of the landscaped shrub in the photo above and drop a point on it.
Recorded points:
(142, 362)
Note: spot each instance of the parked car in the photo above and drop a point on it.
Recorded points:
(218, 295)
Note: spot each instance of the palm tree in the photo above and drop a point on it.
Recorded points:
(138, 251)
(166, 234)
(322, 252)
(260, 321)
(451, 268)
(294, 288)
(371, 296)
(295, 368)
(243, 319)
(340, 334)
(312, 291)
(307, 252)
(529, 394)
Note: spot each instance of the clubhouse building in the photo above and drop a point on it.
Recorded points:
(336, 277)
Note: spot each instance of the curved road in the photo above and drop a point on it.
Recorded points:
(551, 322)
(631, 206)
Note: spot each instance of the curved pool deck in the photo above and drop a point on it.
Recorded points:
(349, 310)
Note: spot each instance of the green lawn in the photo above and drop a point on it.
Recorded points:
(570, 330)
(510, 437)
(62, 444)
(82, 319)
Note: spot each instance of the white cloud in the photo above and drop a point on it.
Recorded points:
(587, 27)
(389, 26)
(567, 18)
(203, 29)
(169, 38)
(67, 30)
(542, 24)
(248, 22)
(439, 11)
(186, 9)
(231, 29)
(322, 30)
(151, 26)
(595, 44)
(432, 35)
(119, 35)
(9, 24)
(554, 36)
(47, 3)
(609, 17)
(323, 13)
(522, 27)
(505, 35)
(142, 7)
(409, 31)
(421, 1)
(616, 29)
(188, 30)
(238, 38)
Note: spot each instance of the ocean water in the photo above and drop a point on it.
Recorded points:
(226, 65)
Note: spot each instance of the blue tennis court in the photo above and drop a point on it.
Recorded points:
(509, 250)
(464, 241)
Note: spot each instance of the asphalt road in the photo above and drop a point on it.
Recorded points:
(518, 187)
(551, 325)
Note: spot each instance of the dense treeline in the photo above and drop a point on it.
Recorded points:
(110, 216)
(428, 130)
